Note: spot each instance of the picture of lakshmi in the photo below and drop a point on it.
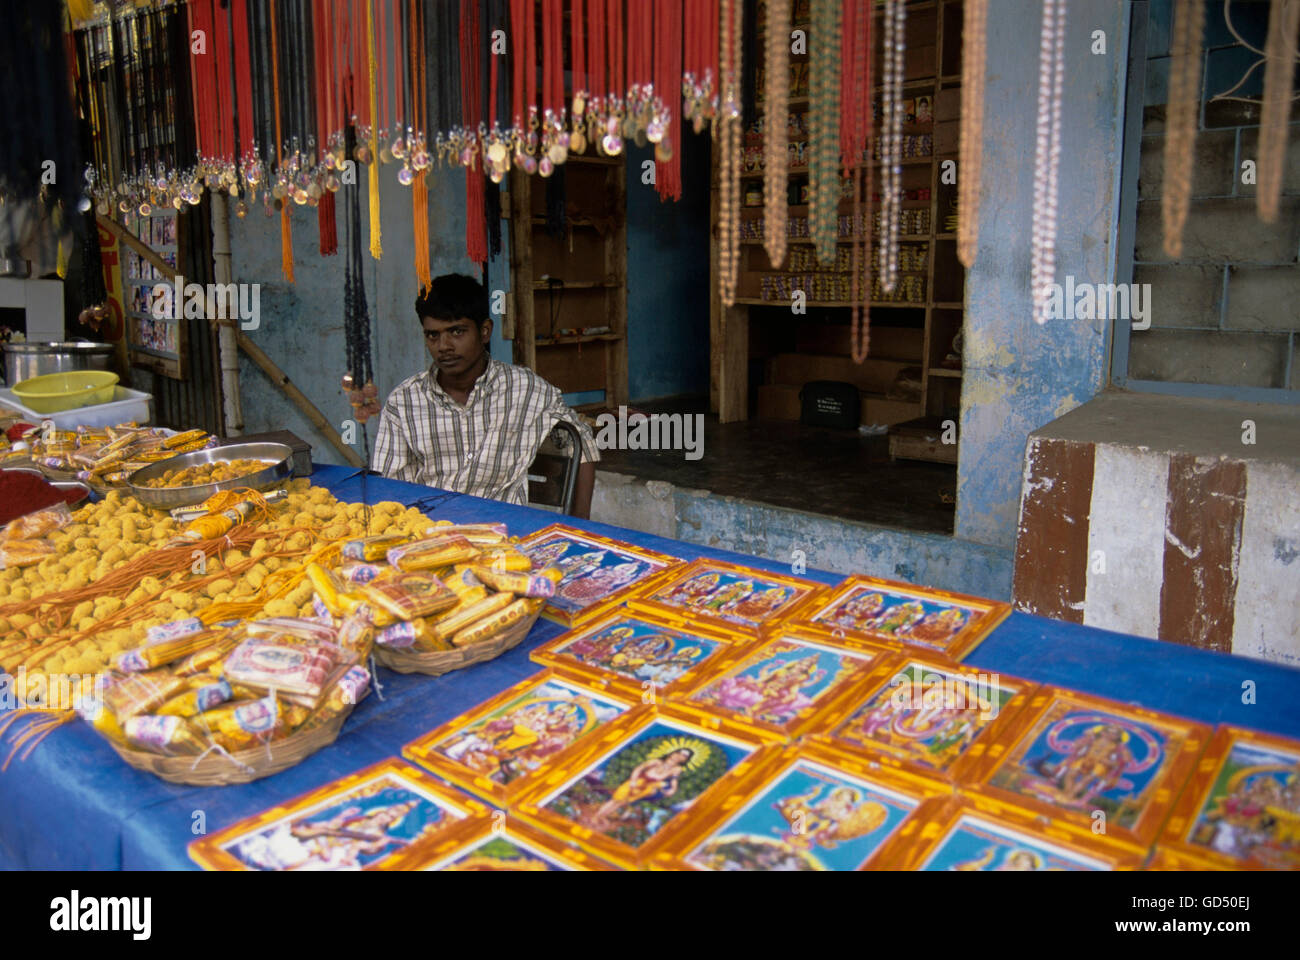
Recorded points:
(934, 629)
(655, 778)
(354, 836)
(599, 583)
(548, 553)
(519, 741)
(761, 604)
(774, 694)
(693, 591)
(579, 565)
(935, 731)
(897, 619)
(839, 817)
(857, 612)
(1257, 817)
(595, 647)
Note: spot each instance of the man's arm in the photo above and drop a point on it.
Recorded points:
(583, 491)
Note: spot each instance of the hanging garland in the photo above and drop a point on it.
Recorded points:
(1047, 155)
(776, 136)
(824, 127)
(855, 135)
(891, 150)
(1279, 48)
(727, 134)
(971, 147)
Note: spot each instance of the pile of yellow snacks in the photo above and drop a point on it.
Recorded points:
(109, 455)
(456, 585)
(209, 473)
(191, 689)
(52, 618)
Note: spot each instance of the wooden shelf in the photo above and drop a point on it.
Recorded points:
(584, 338)
(948, 305)
(945, 372)
(899, 304)
(543, 286)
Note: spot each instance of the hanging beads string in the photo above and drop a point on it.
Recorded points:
(776, 131)
(970, 149)
(728, 137)
(824, 125)
(1275, 110)
(855, 136)
(891, 169)
(668, 85)
(1047, 154)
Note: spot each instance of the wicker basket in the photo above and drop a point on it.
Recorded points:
(437, 662)
(242, 766)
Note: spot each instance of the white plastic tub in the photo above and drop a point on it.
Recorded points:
(127, 404)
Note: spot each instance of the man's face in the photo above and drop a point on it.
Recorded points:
(456, 345)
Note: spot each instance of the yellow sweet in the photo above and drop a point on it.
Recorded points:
(222, 585)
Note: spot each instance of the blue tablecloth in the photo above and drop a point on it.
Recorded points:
(74, 804)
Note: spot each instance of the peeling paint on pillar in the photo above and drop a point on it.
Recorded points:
(1017, 375)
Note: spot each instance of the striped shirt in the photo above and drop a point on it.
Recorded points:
(483, 448)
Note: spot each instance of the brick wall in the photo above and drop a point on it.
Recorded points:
(1228, 311)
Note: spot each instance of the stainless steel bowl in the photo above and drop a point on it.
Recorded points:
(22, 361)
(167, 498)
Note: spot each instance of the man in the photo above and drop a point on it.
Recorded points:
(470, 423)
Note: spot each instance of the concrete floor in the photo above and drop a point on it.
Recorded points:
(783, 463)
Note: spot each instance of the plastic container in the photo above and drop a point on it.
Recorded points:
(126, 405)
(55, 392)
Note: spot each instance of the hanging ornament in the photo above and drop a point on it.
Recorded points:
(971, 148)
(824, 128)
(1047, 155)
(891, 141)
(1275, 109)
(727, 133)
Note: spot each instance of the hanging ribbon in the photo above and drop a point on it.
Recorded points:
(471, 79)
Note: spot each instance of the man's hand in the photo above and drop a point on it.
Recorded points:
(582, 493)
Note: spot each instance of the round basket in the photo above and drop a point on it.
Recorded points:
(435, 663)
(240, 766)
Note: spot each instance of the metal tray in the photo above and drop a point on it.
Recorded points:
(166, 498)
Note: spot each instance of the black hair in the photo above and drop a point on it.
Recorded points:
(453, 296)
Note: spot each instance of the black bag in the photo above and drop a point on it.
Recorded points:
(830, 403)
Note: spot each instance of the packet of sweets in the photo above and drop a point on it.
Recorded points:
(167, 735)
(209, 657)
(312, 631)
(479, 534)
(411, 635)
(272, 663)
(504, 559)
(448, 627)
(370, 549)
(24, 553)
(196, 701)
(357, 633)
(165, 651)
(173, 630)
(343, 696)
(356, 573)
(432, 553)
(327, 587)
(239, 725)
(407, 596)
(496, 623)
(138, 693)
(523, 584)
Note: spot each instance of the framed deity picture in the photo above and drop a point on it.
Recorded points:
(1241, 809)
(783, 685)
(496, 749)
(635, 656)
(804, 812)
(482, 846)
(624, 800)
(886, 611)
(598, 571)
(1088, 760)
(360, 822)
(927, 716)
(727, 595)
(957, 834)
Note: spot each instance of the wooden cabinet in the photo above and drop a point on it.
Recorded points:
(568, 296)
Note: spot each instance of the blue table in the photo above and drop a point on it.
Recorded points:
(74, 804)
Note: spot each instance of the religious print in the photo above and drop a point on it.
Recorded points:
(632, 793)
(1083, 759)
(975, 844)
(885, 610)
(1251, 812)
(595, 569)
(501, 851)
(809, 818)
(633, 653)
(360, 823)
(927, 715)
(782, 681)
(527, 732)
(726, 592)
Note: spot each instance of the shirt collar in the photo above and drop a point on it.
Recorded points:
(482, 385)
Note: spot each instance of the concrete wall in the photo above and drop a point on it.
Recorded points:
(1018, 375)
(302, 323)
(828, 543)
(1225, 310)
(668, 279)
